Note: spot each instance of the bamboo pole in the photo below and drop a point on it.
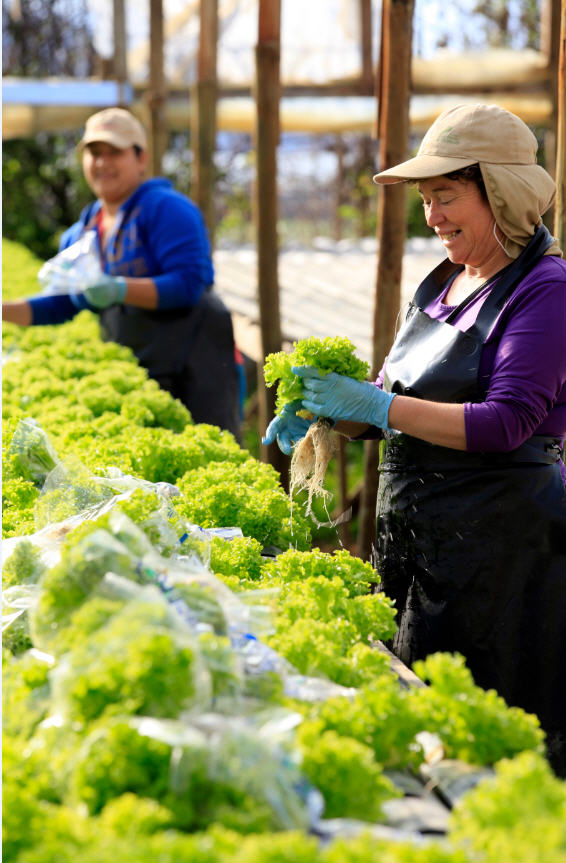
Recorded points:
(204, 116)
(340, 150)
(119, 60)
(560, 202)
(267, 91)
(156, 88)
(365, 45)
(394, 86)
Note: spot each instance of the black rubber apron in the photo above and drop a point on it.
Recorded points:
(472, 546)
(189, 352)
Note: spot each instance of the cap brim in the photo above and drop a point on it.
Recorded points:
(420, 168)
(106, 138)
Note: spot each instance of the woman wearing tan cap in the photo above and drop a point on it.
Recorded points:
(153, 290)
(471, 404)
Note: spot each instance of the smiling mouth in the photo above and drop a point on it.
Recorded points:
(447, 237)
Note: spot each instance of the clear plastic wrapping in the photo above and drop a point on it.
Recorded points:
(32, 451)
(132, 653)
(73, 269)
(252, 754)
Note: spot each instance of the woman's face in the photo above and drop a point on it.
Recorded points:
(461, 218)
(113, 174)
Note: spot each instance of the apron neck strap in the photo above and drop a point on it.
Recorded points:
(511, 276)
(508, 279)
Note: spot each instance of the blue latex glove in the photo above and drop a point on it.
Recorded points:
(287, 428)
(107, 291)
(341, 398)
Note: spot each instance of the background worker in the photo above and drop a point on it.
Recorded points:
(154, 289)
(471, 403)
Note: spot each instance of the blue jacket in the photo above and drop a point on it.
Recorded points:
(159, 233)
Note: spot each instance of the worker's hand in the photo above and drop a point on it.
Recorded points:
(287, 428)
(106, 291)
(341, 398)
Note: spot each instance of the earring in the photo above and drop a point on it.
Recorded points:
(499, 241)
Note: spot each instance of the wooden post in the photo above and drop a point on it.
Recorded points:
(560, 202)
(156, 88)
(204, 116)
(120, 70)
(343, 527)
(340, 150)
(267, 91)
(550, 48)
(365, 43)
(393, 130)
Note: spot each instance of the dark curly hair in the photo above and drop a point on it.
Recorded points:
(469, 174)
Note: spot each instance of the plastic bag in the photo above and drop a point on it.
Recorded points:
(130, 652)
(73, 269)
(245, 755)
(33, 452)
(16, 602)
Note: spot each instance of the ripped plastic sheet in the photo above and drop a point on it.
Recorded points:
(73, 269)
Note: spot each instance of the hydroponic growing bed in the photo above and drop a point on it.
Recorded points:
(172, 692)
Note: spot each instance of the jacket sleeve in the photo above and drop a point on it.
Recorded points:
(53, 309)
(179, 250)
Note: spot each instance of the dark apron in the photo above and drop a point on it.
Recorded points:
(472, 546)
(189, 352)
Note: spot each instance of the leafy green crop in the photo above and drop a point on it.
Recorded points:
(346, 772)
(24, 566)
(70, 582)
(239, 558)
(136, 664)
(247, 495)
(369, 849)
(116, 759)
(294, 565)
(519, 815)
(324, 632)
(379, 716)
(81, 782)
(25, 694)
(475, 725)
(332, 354)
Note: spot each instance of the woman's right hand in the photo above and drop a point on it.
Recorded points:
(287, 428)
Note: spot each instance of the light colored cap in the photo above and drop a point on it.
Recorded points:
(463, 136)
(518, 189)
(114, 126)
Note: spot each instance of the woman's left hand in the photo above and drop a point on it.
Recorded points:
(106, 291)
(338, 397)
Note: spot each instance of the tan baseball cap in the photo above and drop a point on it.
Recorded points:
(114, 126)
(463, 136)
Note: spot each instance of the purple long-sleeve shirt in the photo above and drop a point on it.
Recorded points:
(524, 359)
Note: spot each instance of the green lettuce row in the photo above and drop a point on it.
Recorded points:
(377, 727)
